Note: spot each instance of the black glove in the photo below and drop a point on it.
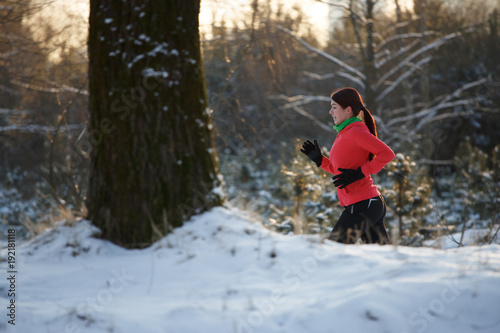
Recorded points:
(347, 176)
(313, 151)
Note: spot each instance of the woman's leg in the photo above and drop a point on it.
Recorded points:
(377, 233)
(364, 220)
(348, 228)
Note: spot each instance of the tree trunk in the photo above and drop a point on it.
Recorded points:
(369, 61)
(425, 72)
(401, 187)
(406, 83)
(493, 43)
(153, 163)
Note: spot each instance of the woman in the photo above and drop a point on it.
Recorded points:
(356, 154)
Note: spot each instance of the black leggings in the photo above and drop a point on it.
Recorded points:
(363, 219)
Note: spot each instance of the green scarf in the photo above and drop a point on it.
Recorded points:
(345, 123)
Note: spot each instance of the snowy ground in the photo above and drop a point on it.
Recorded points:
(223, 273)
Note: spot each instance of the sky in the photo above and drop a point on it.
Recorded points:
(317, 12)
(60, 12)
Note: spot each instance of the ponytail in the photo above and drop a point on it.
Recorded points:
(369, 121)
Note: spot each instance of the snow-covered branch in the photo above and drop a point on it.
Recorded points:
(348, 76)
(445, 103)
(427, 113)
(9, 112)
(295, 101)
(299, 100)
(391, 56)
(446, 115)
(40, 128)
(394, 38)
(60, 89)
(467, 86)
(435, 44)
(319, 77)
(402, 77)
(313, 118)
(403, 119)
(352, 78)
(360, 76)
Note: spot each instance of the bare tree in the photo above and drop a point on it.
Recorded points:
(385, 62)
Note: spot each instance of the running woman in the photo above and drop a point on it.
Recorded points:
(356, 154)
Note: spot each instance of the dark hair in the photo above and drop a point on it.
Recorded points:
(350, 97)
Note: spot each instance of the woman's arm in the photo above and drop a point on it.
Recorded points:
(327, 165)
(382, 153)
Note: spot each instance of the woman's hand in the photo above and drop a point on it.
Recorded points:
(347, 176)
(312, 151)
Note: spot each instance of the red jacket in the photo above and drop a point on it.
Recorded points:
(350, 150)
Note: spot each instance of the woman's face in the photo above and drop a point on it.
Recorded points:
(340, 114)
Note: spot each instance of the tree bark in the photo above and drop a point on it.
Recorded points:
(405, 84)
(425, 73)
(153, 162)
(369, 62)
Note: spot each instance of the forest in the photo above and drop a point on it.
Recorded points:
(152, 177)
(429, 73)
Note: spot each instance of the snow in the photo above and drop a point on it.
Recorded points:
(149, 72)
(162, 48)
(200, 122)
(221, 272)
(144, 37)
(35, 128)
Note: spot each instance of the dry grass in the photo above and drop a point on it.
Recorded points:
(48, 221)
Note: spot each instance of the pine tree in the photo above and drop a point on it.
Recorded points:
(153, 163)
(408, 197)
